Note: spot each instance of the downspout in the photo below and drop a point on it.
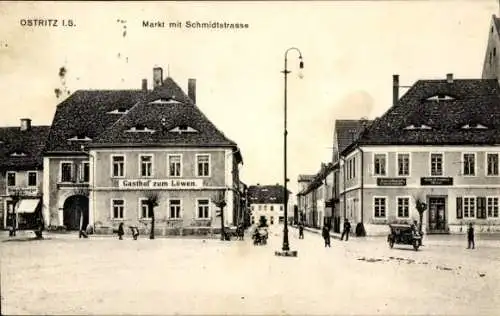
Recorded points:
(344, 193)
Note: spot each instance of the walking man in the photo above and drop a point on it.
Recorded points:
(301, 231)
(326, 235)
(470, 236)
(347, 229)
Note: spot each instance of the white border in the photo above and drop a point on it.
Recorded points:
(463, 164)
(409, 164)
(486, 164)
(139, 162)
(409, 206)
(442, 163)
(28, 178)
(181, 213)
(386, 207)
(196, 210)
(124, 210)
(72, 163)
(386, 164)
(209, 165)
(168, 166)
(124, 166)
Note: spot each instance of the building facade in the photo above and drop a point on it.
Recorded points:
(267, 201)
(20, 172)
(302, 203)
(491, 63)
(110, 152)
(438, 144)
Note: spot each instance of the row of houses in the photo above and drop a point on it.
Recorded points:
(108, 151)
(439, 143)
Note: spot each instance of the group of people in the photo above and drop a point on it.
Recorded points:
(326, 232)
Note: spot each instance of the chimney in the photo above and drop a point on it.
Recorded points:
(157, 77)
(449, 78)
(395, 89)
(25, 124)
(144, 84)
(192, 89)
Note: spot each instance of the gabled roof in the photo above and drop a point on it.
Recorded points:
(496, 20)
(266, 194)
(347, 131)
(26, 146)
(477, 101)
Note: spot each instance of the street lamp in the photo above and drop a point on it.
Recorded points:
(286, 246)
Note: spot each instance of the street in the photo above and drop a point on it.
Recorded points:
(102, 275)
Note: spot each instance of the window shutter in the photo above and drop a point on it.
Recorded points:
(481, 207)
(459, 208)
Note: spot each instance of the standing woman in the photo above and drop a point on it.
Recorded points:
(121, 232)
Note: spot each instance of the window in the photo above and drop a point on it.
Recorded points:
(379, 161)
(146, 167)
(494, 51)
(118, 209)
(203, 165)
(174, 163)
(175, 208)
(469, 206)
(469, 164)
(492, 164)
(203, 209)
(403, 207)
(379, 207)
(145, 210)
(253, 220)
(492, 206)
(85, 176)
(436, 164)
(403, 164)
(265, 207)
(272, 220)
(260, 207)
(118, 166)
(32, 178)
(11, 179)
(281, 207)
(253, 207)
(66, 172)
(353, 167)
(271, 208)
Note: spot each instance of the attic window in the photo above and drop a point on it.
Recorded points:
(165, 101)
(183, 129)
(140, 129)
(80, 138)
(18, 154)
(121, 110)
(418, 127)
(474, 126)
(440, 97)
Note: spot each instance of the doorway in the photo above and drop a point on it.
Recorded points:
(76, 212)
(437, 214)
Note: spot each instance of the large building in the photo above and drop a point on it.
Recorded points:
(109, 151)
(439, 143)
(20, 171)
(267, 201)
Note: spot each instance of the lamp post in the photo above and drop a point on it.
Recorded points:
(286, 246)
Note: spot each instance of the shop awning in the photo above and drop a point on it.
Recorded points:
(27, 205)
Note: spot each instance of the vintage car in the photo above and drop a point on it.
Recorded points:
(405, 234)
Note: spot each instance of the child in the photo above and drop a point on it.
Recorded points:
(470, 236)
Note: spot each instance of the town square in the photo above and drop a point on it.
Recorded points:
(250, 158)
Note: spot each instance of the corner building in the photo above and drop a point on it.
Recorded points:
(148, 143)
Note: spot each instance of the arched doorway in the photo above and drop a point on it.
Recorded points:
(76, 212)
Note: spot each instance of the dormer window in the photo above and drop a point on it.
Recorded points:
(418, 127)
(474, 126)
(165, 101)
(441, 97)
(120, 110)
(183, 129)
(18, 154)
(139, 128)
(80, 138)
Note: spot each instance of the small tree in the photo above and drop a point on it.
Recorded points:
(152, 201)
(220, 201)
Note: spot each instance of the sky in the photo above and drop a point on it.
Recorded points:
(350, 51)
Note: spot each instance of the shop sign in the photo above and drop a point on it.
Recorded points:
(396, 182)
(436, 181)
(159, 184)
(23, 191)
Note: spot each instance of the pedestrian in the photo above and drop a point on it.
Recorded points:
(470, 236)
(347, 229)
(301, 231)
(326, 235)
(120, 231)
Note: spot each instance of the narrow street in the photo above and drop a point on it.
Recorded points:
(102, 275)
